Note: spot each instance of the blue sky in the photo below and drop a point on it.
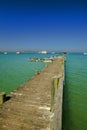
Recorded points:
(43, 25)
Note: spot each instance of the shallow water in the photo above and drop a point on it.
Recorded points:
(17, 69)
(75, 93)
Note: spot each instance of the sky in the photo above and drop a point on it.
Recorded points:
(57, 25)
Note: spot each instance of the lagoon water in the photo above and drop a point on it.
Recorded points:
(16, 69)
(75, 93)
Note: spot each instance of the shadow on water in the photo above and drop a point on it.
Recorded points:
(65, 106)
(65, 109)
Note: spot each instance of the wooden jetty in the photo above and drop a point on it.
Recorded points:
(33, 105)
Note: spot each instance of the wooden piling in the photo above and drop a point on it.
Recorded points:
(2, 97)
(53, 92)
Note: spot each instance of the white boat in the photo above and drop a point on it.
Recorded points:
(85, 53)
(47, 59)
(17, 52)
(34, 59)
(5, 53)
(43, 52)
(41, 60)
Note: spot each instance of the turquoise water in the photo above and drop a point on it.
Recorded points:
(75, 93)
(16, 69)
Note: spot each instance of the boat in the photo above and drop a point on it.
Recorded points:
(43, 52)
(47, 59)
(41, 60)
(34, 59)
(5, 53)
(85, 53)
(17, 52)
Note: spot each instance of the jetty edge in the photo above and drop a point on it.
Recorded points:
(37, 104)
